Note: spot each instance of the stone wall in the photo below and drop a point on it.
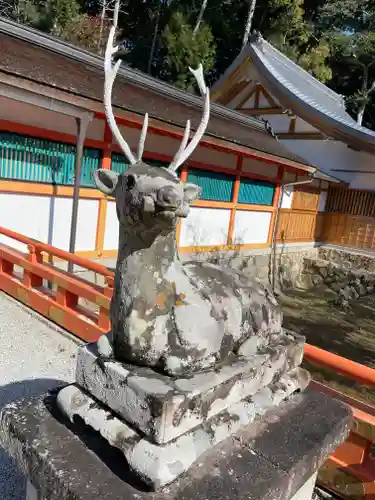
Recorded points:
(257, 264)
(348, 283)
(350, 274)
(348, 259)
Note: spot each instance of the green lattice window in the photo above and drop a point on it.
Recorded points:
(31, 159)
(256, 192)
(119, 163)
(215, 186)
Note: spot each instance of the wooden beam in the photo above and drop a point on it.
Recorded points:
(261, 111)
(257, 96)
(271, 101)
(304, 136)
(246, 97)
(232, 93)
(292, 126)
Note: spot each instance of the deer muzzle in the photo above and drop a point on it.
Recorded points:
(168, 198)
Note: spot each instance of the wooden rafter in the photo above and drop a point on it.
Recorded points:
(262, 111)
(271, 101)
(246, 97)
(232, 80)
(232, 93)
(292, 125)
(257, 96)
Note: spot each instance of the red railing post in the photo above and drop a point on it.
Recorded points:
(6, 267)
(65, 298)
(30, 279)
(104, 321)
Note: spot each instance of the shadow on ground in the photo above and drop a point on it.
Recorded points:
(348, 334)
(12, 481)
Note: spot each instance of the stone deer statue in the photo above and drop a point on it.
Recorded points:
(175, 317)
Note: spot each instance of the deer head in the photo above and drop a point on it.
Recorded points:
(147, 198)
(146, 194)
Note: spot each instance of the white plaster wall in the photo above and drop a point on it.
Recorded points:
(279, 123)
(259, 167)
(27, 114)
(322, 201)
(86, 224)
(332, 155)
(251, 227)
(205, 226)
(47, 219)
(287, 197)
(111, 227)
(25, 214)
(302, 126)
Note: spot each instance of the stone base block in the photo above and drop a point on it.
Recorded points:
(158, 465)
(270, 459)
(164, 408)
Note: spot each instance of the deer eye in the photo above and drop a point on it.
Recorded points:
(130, 182)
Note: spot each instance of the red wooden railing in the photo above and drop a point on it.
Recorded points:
(76, 304)
(349, 472)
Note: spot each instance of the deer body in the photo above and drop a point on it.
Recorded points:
(177, 317)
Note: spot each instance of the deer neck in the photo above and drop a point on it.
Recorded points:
(150, 254)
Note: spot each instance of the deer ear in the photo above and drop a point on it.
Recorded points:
(106, 180)
(191, 192)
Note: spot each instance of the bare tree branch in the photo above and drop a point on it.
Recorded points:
(200, 15)
(249, 21)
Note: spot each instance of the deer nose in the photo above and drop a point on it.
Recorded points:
(168, 196)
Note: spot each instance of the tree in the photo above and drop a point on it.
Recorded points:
(350, 28)
(56, 14)
(186, 49)
(20, 11)
(87, 32)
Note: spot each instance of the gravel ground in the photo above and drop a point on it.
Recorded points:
(34, 356)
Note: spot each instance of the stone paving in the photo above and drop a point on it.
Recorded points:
(34, 356)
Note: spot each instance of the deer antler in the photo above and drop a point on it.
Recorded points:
(110, 73)
(185, 149)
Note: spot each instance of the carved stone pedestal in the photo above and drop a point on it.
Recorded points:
(273, 458)
(162, 424)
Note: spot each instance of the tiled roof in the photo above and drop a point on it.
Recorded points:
(38, 57)
(305, 96)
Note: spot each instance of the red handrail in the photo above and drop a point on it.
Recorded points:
(57, 252)
(338, 364)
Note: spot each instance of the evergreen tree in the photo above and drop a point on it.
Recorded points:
(186, 48)
(350, 28)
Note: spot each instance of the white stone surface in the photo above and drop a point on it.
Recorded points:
(31, 493)
(34, 357)
(184, 403)
(159, 465)
(306, 491)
